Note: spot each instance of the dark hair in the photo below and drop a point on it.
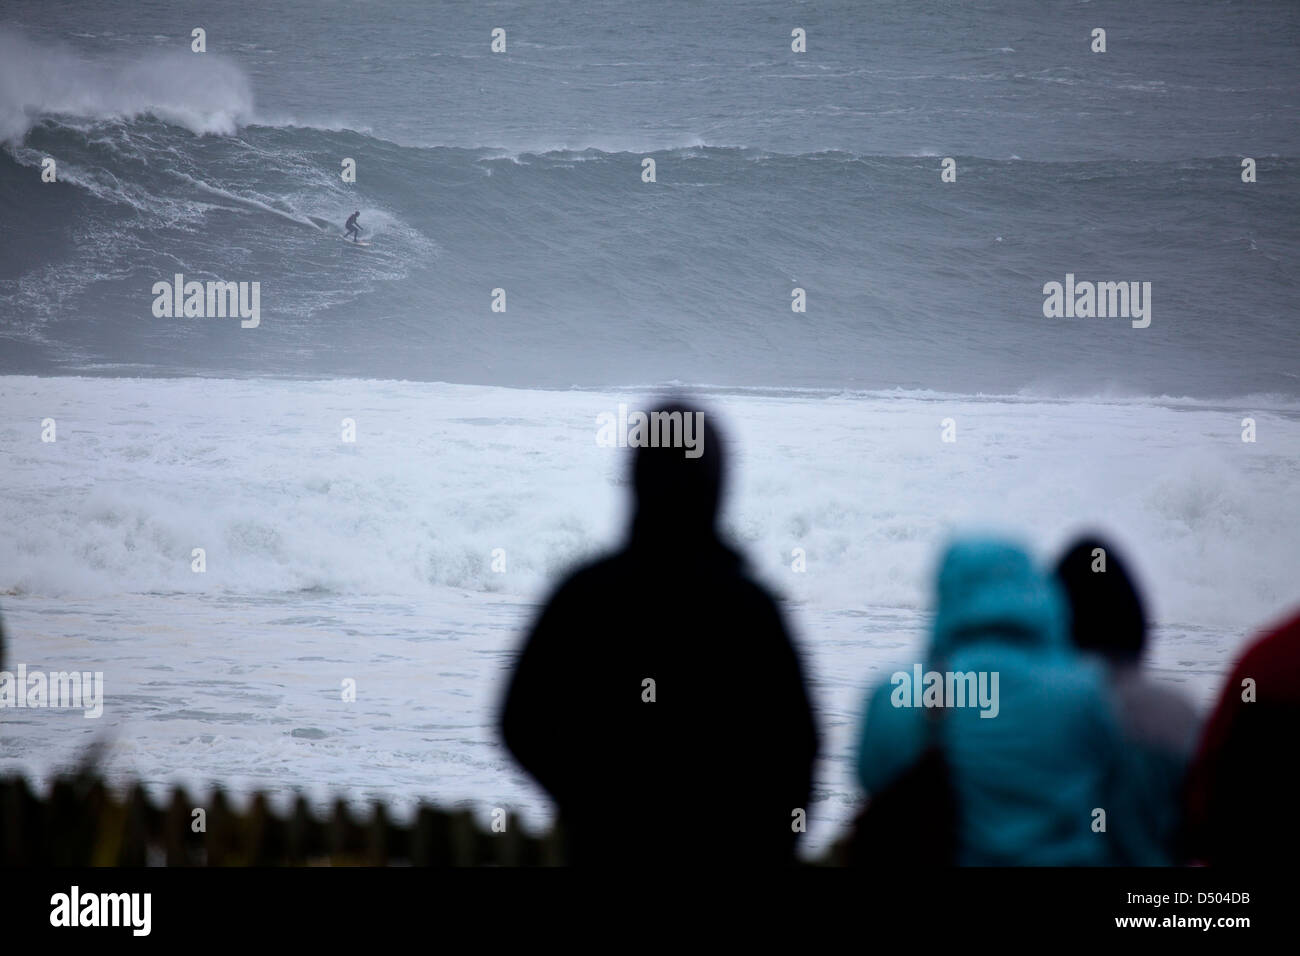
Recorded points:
(1106, 611)
(673, 489)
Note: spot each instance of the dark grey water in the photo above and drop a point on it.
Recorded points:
(522, 171)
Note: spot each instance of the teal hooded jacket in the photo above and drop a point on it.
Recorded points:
(1030, 776)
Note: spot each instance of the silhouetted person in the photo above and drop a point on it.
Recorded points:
(1241, 788)
(1108, 619)
(714, 768)
(1028, 771)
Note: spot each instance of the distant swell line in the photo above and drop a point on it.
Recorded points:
(554, 152)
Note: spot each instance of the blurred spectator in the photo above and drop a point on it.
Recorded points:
(1241, 788)
(714, 760)
(1030, 772)
(1108, 620)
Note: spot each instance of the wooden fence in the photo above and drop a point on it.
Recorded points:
(82, 822)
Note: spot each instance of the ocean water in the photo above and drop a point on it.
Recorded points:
(776, 171)
(521, 171)
(373, 560)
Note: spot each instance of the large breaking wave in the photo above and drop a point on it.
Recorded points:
(608, 280)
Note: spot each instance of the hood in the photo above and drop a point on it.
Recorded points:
(991, 589)
(677, 496)
(1106, 610)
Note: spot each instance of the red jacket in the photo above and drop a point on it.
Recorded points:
(1241, 801)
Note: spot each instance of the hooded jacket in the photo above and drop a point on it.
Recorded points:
(1029, 779)
(659, 699)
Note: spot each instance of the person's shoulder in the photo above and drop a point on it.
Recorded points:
(1276, 648)
(746, 581)
(569, 605)
(757, 595)
(1077, 683)
(593, 573)
(1156, 712)
(1136, 683)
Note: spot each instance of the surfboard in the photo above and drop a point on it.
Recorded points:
(359, 242)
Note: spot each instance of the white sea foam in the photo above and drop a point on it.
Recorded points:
(373, 560)
(204, 92)
(255, 472)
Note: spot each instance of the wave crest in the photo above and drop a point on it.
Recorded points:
(201, 91)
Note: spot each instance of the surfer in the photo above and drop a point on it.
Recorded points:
(350, 229)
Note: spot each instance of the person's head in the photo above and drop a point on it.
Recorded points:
(990, 588)
(678, 477)
(1106, 612)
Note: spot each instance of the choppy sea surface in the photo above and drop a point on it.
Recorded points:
(777, 171)
(373, 560)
